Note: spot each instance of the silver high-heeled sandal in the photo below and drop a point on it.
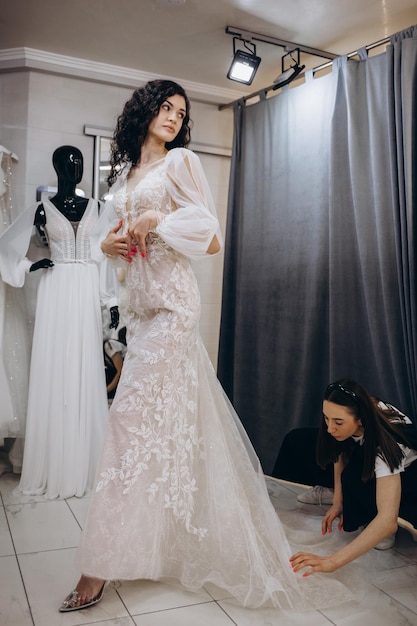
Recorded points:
(73, 597)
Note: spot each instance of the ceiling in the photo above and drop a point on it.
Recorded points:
(186, 39)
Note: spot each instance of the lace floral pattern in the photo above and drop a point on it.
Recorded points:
(163, 438)
(166, 437)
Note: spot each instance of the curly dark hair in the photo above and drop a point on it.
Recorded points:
(133, 123)
(381, 435)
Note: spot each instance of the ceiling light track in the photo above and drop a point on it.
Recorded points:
(245, 62)
(247, 35)
(263, 92)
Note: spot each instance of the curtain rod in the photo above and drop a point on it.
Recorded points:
(265, 90)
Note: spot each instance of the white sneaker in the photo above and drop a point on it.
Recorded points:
(316, 495)
(387, 543)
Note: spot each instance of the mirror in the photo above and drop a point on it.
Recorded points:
(104, 168)
(101, 167)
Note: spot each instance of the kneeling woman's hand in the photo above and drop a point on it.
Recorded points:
(335, 512)
(315, 563)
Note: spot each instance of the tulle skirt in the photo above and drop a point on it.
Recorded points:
(180, 494)
(67, 403)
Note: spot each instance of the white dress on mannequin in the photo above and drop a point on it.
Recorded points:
(67, 402)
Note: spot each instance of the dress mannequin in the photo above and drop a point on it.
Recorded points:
(69, 165)
(67, 400)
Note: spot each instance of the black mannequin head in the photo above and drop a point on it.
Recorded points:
(68, 164)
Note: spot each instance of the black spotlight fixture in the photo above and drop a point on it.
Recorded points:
(245, 63)
(288, 74)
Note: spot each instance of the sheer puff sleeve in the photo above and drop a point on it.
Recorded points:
(109, 284)
(190, 228)
(14, 244)
(108, 219)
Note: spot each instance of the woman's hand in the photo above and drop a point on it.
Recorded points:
(335, 512)
(313, 561)
(139, 229)
(117, 245)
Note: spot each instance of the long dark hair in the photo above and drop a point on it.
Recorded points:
(381, 435)
(133, 123)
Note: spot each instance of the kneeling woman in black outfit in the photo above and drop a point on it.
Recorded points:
(373, 447)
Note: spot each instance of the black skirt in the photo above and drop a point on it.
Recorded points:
(359, 498)
(296, 460)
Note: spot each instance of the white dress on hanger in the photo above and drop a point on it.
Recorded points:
(15, 335)
(180, 494)
(8, 426)
(67, 402)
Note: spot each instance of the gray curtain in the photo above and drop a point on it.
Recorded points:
(320, 268)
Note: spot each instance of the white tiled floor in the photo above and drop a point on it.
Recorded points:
(37, 547)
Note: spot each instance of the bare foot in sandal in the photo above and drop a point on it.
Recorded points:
(89, 591)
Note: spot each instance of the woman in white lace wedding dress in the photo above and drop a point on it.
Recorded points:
(179, 494)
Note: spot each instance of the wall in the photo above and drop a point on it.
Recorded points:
(40, 111)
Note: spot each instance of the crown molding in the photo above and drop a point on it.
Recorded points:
(18, 59)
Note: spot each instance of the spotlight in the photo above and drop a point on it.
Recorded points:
(287, 75)
(244, 64)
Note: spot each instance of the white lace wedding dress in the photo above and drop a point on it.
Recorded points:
(180, 494)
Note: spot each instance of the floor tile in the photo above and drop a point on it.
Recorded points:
(401, 586)
(49, 577)
(6, 544)
(47, 525)
(14, 608)
(116, 621)
(376, 562)
(209, 614)
(145, 596)
(79, 508)
(376, 609)
(216, 593)
(273, 617)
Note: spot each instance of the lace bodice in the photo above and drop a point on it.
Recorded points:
(150, 193)
(66, 244)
